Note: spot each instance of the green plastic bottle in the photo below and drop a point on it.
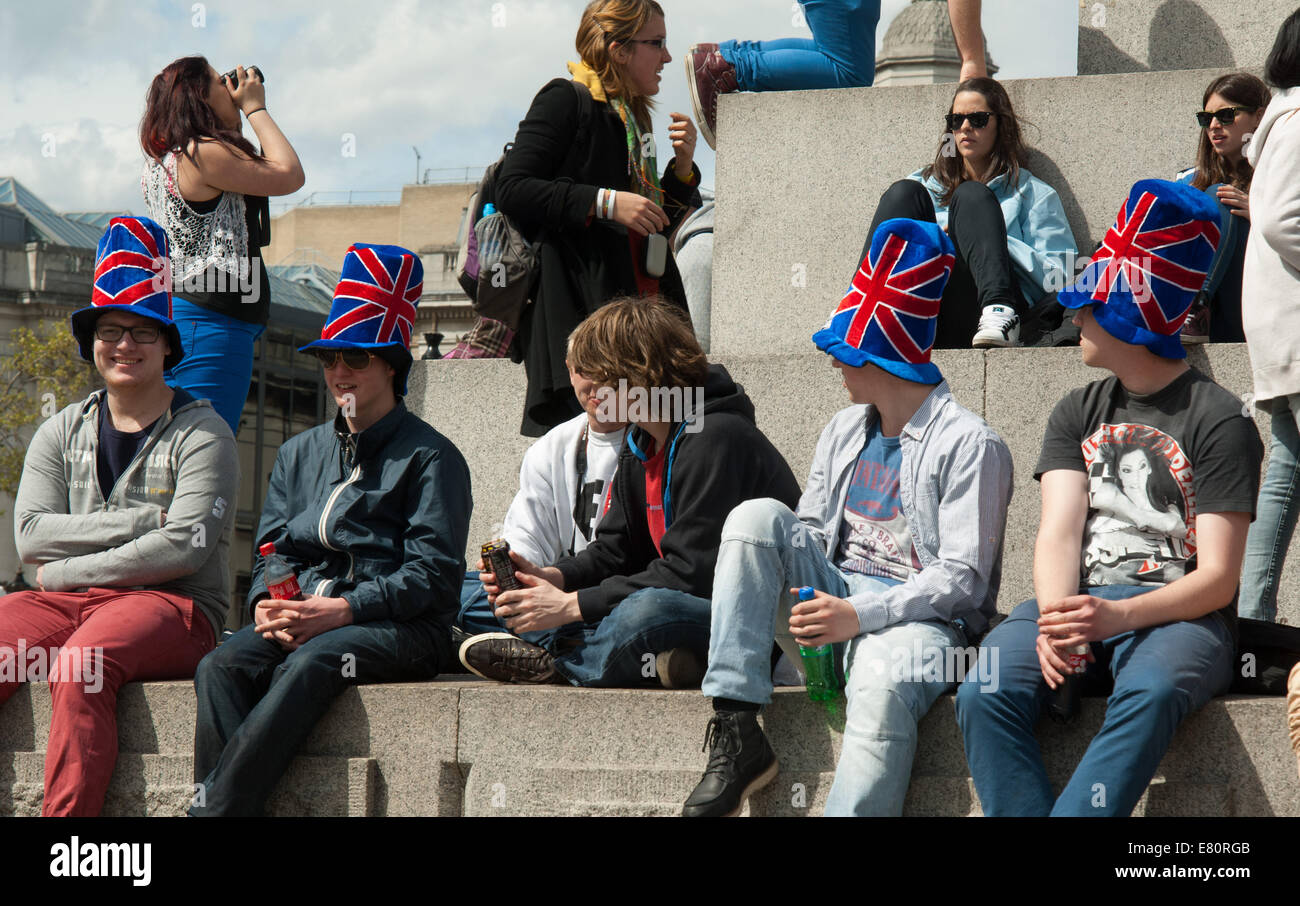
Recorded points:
(819, 664)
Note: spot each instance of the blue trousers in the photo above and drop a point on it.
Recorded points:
(218, 363)
(1275, 520)
(258, 703)
(841, 54)
(1160, 674)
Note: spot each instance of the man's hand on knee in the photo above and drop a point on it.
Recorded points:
(824, 620)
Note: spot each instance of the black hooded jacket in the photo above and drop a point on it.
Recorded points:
(708, 473)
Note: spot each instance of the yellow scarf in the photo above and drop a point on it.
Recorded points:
(584, 74)
(642, 168)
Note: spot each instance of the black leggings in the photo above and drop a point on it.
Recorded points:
(983, 274)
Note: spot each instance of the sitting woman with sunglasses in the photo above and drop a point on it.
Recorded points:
(1007, 226)
(582, 181)
(1232, 107)
(206, 185)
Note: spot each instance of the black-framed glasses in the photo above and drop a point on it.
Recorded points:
(356, 359)
(1225, 116)
(112, 333)
(656, 43)
(978, 120)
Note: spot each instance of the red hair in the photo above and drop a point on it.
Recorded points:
(177, 112)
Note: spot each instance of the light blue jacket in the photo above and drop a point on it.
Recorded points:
(954, 487)
(1038, 233)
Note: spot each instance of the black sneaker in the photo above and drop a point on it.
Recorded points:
(741, 762)
(680, 668)
(506, 658)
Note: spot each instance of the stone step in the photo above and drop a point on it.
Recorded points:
(795, 394)
(1141, 35)
(800, 173)
(464, 746)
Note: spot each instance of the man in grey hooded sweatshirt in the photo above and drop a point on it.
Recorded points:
(126, 505)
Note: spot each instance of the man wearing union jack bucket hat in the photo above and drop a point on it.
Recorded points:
(126, 510)
(371, 514)
(899, 534)
(1149, 479)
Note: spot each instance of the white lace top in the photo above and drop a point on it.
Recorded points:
(198, 241)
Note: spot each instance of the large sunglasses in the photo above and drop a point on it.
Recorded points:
(978, 120)
(1225, 116)
(356, 359)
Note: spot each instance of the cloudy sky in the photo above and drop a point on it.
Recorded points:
(449, 77)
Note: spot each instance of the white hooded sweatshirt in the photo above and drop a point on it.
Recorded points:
(1270, 284)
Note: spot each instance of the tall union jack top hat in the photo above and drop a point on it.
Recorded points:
(1142, 280)
(133, 274)
(374, 305)
(888, 317)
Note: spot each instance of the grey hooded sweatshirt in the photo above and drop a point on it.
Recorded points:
(187, 468)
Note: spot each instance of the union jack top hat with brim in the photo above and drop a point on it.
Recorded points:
(889, 314)
(132, 274)
(374, 305)
(1143, 279)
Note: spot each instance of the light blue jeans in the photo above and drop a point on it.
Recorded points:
(764, 553)
(1275, 516)
(841, 54)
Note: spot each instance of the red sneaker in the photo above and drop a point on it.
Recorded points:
(708, 75)
(1196, 329)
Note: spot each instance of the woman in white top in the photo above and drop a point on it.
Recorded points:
(207, 186)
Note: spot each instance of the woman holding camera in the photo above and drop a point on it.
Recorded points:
(1008, 227)
(206, 185)
(582, 180)
(1232, 107)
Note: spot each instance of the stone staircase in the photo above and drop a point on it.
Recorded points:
(798, 178)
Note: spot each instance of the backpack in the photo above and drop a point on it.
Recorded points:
(501, 291)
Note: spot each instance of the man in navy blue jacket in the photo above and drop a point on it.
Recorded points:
(372, 512)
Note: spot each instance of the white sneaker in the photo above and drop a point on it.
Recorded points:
(999, 326)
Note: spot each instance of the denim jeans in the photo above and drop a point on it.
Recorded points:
(620, 650)
(764, 554)
(258, 703)
(841, 54)
(218, 363)
(983, 274)
(1275, 517)
(476, 615)
(1160, 675)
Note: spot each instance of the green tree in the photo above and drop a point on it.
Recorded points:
(40, 375)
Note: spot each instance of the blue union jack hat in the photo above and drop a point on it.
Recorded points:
(133, 274)
(374, 305)
(889, 314)
(1142, 280)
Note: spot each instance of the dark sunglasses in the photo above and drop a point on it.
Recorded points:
(977, 120)
(356, 359)
(1225, 116)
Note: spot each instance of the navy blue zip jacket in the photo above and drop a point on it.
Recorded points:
(707, 474)
(380, 518)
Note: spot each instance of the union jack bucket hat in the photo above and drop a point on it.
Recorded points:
(132, 274)
(1142, 280)
(889, 314)
(374, 305)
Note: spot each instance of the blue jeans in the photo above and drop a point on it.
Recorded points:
(764, 553)
(258, 703)
(620, 650)
(476, 615)
(1275, 517)
(218, 363)
(841, 54)
(1161, 674)
(1223, 282)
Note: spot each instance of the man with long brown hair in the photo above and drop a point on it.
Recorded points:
(634, 605)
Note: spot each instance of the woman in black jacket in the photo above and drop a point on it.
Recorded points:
(582, 180)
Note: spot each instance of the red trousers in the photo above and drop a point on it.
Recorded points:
(101, 638)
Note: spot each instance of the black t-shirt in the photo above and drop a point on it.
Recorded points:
(231, 301)
(116, 450)
(1153, 462)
